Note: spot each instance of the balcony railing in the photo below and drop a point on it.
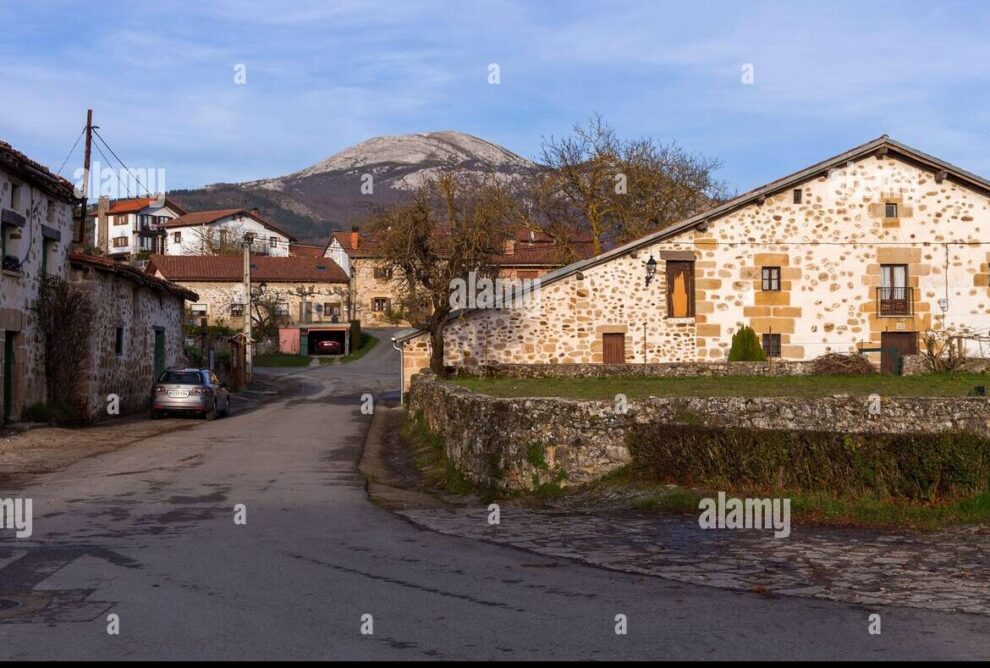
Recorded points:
(895, 301)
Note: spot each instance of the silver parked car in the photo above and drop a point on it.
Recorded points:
(190, 391)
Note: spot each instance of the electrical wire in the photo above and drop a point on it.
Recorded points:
(71, 151)
(129, 171)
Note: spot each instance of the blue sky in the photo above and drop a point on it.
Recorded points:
(324, 75)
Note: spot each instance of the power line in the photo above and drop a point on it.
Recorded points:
(100, 151)
(71, 151)
(129, 171)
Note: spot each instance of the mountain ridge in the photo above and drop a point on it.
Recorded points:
(328, 194)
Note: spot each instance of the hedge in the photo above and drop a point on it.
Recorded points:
(911, 466)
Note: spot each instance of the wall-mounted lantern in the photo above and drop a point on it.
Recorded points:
(651, 269)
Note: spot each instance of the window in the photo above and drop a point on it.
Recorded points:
(50, 211)
(145, 221)
(46, 249)
(273, 242)
(15, 196)
(771, 345)
(771, 279)
(890, 210)
(223, 237)
(331, 310)
(798, 195)
(894, 294)
(147, 243)
(120, 220)
(237, 310)
(198, 309)
(282, 309)
(177, 237)
(120, 242)
(383, 273)
(118, 341)
(680, 289)
(380, 304)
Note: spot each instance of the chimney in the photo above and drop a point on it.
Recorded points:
(510, 247)
(101, 235)
(355, 235)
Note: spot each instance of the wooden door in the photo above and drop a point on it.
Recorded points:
(159, 359)
(613, 348)
(904, 343)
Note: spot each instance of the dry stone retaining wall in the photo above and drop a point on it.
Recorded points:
(521, 443)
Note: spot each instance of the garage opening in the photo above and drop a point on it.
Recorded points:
(328, 342)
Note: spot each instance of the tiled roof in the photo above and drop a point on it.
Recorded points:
(231, 267)
(15, 162)
(207, 217)
(306, 250)
(130, 273)
(135, 204)
(542, 252)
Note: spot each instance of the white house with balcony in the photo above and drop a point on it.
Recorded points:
(126, 227)
(222, 231)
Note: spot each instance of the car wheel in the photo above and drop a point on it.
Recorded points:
(155, 415)
(226, 408)
(211, 414)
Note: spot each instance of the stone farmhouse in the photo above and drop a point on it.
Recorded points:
(528, 255)
(137, 320)
(222, 231)
(137, 331)
(36, 223)
(303, 290)
(867, 250)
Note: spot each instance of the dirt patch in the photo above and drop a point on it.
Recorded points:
(25, 455)
(48, 449)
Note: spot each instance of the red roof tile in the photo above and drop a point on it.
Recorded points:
(135, 204)
(306, 250)
(130, 273)
(231, 267)
(17, 163)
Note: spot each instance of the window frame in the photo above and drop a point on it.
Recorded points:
(797, 196)
(771, 344)
(671, 269)
(768, 276)
(886, 210)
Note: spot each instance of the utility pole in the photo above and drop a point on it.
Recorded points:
(81, 238)
(248, 355)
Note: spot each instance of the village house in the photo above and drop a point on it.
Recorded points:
(137, 332)
(125, 228)
(527, 255)
(301, 295)
(868, 250)
(222, 232)
(36, 210)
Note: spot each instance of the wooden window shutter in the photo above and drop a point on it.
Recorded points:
(680, 289)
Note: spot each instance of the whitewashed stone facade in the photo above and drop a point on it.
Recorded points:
(37, 221)
(829, 242)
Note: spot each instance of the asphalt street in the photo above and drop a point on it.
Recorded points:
(148, 533)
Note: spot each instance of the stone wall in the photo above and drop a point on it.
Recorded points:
(520, 443)
(662, 370)
(220, 296)
(139, 310)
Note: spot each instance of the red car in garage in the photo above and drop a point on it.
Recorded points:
(328, 347)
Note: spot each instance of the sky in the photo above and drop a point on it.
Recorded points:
(320, 76)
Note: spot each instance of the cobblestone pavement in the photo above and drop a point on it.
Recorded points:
(946, 570)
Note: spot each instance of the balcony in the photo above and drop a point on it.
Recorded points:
(898, 301)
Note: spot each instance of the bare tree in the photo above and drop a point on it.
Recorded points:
(454, 226)
(615, 190)
(223, 239)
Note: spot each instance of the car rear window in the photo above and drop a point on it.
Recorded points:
(181, 377)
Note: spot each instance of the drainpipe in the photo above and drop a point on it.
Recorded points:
(402, 374)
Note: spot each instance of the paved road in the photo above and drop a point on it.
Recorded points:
(147, 533)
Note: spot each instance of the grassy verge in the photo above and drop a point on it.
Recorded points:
(430, 455)
(281, 360)
(367, 343)
(933, 385)
(818, 509)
